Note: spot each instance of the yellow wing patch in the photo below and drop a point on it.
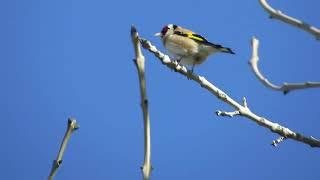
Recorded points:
(196, 37)
(192, 35)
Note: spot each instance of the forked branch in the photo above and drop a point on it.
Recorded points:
(242, 109)
(286, 87)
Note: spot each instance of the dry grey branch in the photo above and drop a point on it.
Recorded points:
(243, 109)
(228, 114)
(72, 126)
(277, 14)
(232, 113)
(140, 64)
(286, 87)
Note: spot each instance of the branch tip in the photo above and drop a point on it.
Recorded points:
(254, 40)
(276, 142)
(228, 114)
(133, 30)
(72, 122)
(245, 104)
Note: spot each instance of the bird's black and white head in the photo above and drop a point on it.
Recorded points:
(167, 30)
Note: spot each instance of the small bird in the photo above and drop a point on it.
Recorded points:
(188, 47)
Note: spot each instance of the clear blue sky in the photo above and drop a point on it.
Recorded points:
(74, 58)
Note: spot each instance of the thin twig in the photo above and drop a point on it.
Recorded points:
(277, 14)
(228, 114)
(286, 87)
(140, 64)
(276, 142)
(243, 109)
(72, 126)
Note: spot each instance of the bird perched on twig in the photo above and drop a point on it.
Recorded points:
(188, 47)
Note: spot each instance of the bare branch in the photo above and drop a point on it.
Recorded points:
(233, 113)
(229, 114)
(140, 64)
(243, 110)
(286, 87)
(244, 100)
(277, 14)
(72, 126)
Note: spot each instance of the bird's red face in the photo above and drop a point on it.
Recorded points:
(167, 30)
(164, 30)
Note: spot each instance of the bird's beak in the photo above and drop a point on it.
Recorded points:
(157, 34)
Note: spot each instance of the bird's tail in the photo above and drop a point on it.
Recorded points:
(226, 50)
(221, 48)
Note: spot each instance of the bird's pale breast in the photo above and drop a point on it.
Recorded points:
(181, 46)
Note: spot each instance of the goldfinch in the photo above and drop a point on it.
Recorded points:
(188, 47)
